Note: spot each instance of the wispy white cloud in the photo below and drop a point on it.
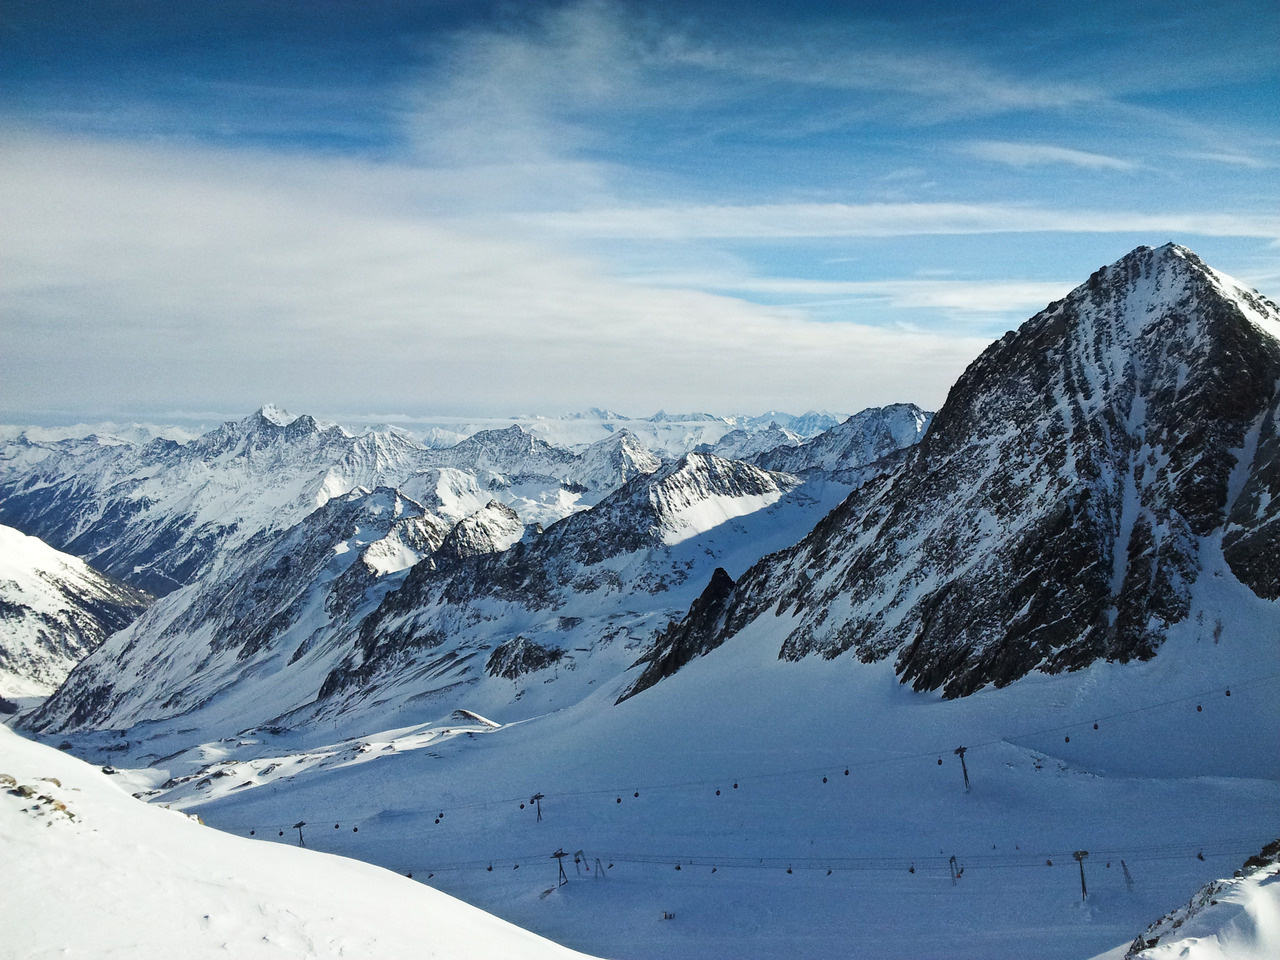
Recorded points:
(951, 297)
(941, 82)
(1231, 160)
(159, 276)
(1041, 154)
(776, 221)
(472, 272)
(550, 97)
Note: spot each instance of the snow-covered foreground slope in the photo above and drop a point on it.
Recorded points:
(1237, 918)
(54, 610)
(90, 872)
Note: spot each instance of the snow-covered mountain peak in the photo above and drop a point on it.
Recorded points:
(266, 431)
(1149, 284)
(592, 413)
(383, 502)
(276, 416)
(856, 443)
(742, 444)
(662, 416)
(609, 463)
(701, 491)
(489, 530)
(1063, 502)
(506, 451)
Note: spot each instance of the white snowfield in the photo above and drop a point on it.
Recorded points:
(88, 871)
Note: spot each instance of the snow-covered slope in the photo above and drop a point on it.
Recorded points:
(1082, 474)
(609, 463)
(739, 764)
(91, 872)
(1231, 919)
(570, 605)
(54, 610)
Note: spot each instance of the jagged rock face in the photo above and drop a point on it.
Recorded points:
(1253, 527)
(284, 598)
(519, 656)
(1055, 511)
(687, 639)
(862, 439)
(54, 610)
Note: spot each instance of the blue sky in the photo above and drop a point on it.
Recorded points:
(498, 208)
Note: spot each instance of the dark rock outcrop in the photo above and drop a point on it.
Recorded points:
(687, 639)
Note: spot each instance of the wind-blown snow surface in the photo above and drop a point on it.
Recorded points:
(90, 872)
(54, 610)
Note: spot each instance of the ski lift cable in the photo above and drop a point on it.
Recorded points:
(479, 804)
(982, 861)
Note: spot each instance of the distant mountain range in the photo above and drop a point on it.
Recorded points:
(1060, 508)
(281, 538)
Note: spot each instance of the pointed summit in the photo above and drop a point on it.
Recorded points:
(1064, 499)
(275, 416)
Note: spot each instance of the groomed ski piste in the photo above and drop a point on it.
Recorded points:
(90, 872)
(753, 807)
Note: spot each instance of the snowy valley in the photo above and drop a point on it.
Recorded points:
(776, 687)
